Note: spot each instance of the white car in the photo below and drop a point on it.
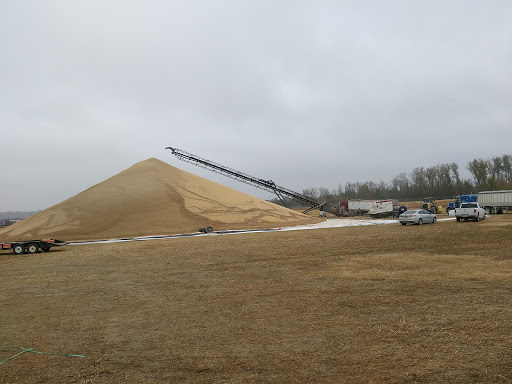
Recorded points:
(417, 216)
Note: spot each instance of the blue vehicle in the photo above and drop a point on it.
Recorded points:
(459, 200)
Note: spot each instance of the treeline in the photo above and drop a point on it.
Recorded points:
(440, 181)
(16, 215)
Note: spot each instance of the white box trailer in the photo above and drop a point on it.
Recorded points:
(495, 201)
(361, 205)
(382, 208)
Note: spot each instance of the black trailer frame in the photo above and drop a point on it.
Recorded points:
(32, 246)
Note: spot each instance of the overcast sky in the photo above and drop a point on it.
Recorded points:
(306, 93)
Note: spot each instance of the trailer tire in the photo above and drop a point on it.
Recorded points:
(18, 249)
(32, 248)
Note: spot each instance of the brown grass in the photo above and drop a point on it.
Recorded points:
(378, 304)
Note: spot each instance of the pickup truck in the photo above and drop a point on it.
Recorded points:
(469, 211)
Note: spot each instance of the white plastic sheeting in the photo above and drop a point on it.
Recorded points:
(330, 223)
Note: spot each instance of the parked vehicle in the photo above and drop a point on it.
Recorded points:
(417, 216)
(7, 222)
(381, 208)
(386, 208)
(495, 201)
(429, 203)
(470, 211)
(354, 207)
(31, 246)
(459, 200)
(376, 208)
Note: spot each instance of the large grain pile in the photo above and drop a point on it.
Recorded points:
(152, 198)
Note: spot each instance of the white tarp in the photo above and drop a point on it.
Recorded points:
(330, 223)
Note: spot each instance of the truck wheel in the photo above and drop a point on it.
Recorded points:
(448, 211)
(458, 218)
(403, 223)
(477, 219)
(18, 249)
(420, 222)
(32, 248)
(434, 220)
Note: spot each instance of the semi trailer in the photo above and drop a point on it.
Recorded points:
(495, 201)
(363, 206)
(376, 208)
(386, 208)
(355, 207)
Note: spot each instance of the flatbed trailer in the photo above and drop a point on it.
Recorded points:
(31, 246)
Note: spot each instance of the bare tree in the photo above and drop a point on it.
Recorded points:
(478, 168)
(311, 192)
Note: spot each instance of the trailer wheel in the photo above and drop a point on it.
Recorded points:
(32, 248)
(18, 249)
(45, 249)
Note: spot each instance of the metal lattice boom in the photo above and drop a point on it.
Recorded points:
(267, 185)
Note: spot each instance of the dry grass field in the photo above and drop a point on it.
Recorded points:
(374, 304)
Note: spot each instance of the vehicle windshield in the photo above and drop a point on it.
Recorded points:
(468, 205)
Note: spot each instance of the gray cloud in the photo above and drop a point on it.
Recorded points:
(304, 93)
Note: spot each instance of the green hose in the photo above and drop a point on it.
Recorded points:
(32, 350)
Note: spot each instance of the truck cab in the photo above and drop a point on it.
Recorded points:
(459, 200)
